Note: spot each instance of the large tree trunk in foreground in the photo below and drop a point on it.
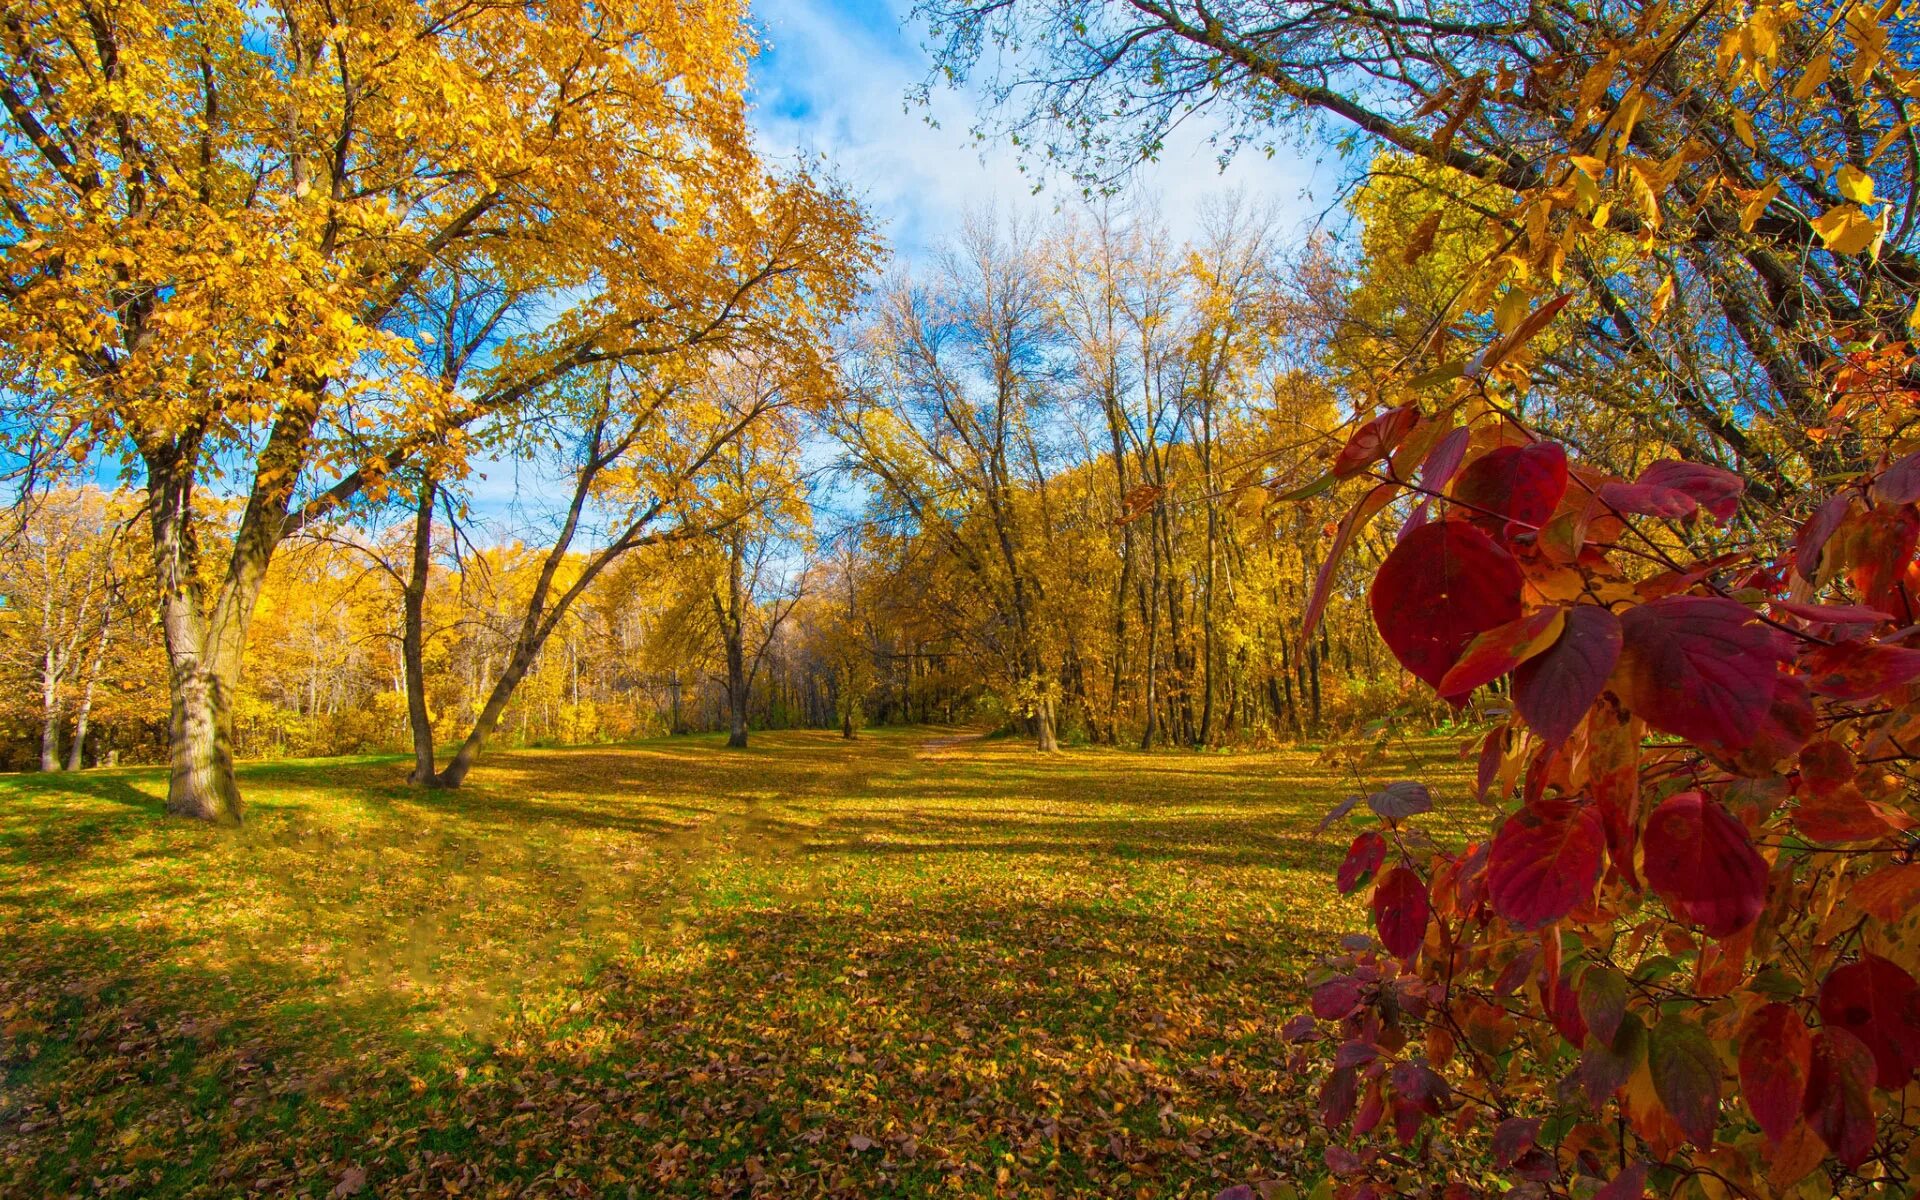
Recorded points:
(200, 733)
(200, 720)
(413, 639)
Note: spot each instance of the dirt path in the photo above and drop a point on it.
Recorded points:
(938, 747)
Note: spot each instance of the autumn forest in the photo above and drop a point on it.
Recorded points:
(1288, 600)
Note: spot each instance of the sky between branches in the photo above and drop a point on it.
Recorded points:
(833, 78)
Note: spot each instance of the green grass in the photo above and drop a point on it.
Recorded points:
(903, 966)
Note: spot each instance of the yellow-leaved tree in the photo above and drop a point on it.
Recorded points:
(224, 224)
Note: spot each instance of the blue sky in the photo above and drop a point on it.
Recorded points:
(833, 79)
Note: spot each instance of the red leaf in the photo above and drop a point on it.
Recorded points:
(1443, 586)
(1398, 801)
(1553, 690)
(1701, 668)
(1899, 483)
(1563, 1009)
(1776, 1052)
(1716, 490)
(1613, 779)
(1875, 547)
(1702, 863)
(1337, 811)
(1336, 998)
(1545, 862)
(1512, 1138)
(1355, 1053)
(1648, 501)
(1630, 1184)
(1874, 1000)
(1789, 722)
(1352, 523)
(1337, 1096)
(1811, 541)
(1831, 614)
(1375, 440)
(1364, 857)
(1492, 750)
(1859, 670)
(1827, 766)
(1889, 893)
(1605, 1068)
(1417, 1082)
(1603, 1000)
(1500, 650)
(1521, 484)
(1373, 1105)
(1843, 815)
(1444, 460)
(1686, 1076)
(1839, 1107)
(1401, 911)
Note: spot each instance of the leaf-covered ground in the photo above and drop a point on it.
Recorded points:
(913, 965)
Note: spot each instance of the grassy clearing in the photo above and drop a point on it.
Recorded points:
(899, 967)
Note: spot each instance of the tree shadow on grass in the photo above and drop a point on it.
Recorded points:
(915, 1050)
(684, 973)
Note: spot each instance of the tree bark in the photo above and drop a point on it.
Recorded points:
(52, 667)
(76, 754)
(201, 783)
(518, 662)
(1046, 735)
(413, 639)
(733, 636)
(49, 712)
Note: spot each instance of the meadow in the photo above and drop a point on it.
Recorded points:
(916, 964)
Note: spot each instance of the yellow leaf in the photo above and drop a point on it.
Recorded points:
(1815, 75)
(1422, 239)
(1663, 297)
(1643, 191)
(1743, 128)
(1856, 185)
(1590, 166)
(1628, 115)
(1845, 229)
(1757, 205)
(1888, 139)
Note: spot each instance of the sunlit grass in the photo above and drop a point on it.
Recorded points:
(900, 966)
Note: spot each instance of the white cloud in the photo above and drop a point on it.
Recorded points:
(835, 78)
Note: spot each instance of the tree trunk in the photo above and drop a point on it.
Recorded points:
(489, 719)
(49, 714)
(1045, 736)
(201, 784)
(413, 639)
(730, 609)
(200, 731)
(51, 668)
(736, 688)
(737, 724)
(76, 754)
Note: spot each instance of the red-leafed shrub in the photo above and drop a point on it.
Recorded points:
(1682, 959)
